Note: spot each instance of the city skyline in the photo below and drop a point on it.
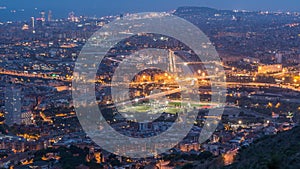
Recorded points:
(188, 87)
(10, 10)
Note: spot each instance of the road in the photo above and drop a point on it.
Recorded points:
(263, 85)
(48, 77)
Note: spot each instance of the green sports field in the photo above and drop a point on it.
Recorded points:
(171, 107)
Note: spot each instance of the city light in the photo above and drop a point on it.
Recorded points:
(168, 89)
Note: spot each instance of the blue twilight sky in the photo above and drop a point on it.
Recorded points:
(98, 8)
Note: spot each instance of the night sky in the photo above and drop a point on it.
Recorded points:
(61, 8)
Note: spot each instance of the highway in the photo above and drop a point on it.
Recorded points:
(60, 78)
(32, 75)
(263, 85)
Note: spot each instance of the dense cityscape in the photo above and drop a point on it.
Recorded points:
(39, 128)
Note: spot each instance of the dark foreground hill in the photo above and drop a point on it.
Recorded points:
(280, 151)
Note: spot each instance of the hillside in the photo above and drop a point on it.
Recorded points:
(280, 151)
